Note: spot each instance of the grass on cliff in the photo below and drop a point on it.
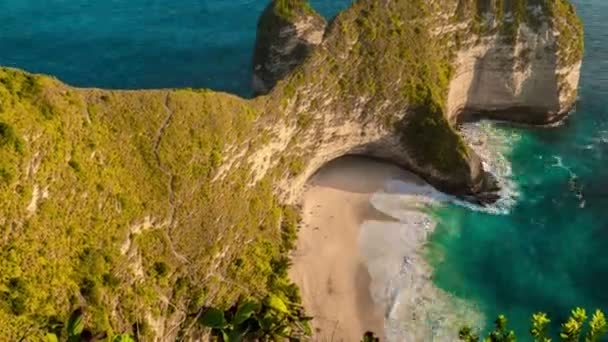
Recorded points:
(570, 41)
(288, 9)
(111, 202)
(384, 56)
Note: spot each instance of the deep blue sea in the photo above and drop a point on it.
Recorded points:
(549, 253)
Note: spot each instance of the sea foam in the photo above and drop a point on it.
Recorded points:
(415, 309)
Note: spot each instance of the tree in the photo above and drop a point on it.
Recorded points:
(76, 331)
(271, 319)
(571, 330)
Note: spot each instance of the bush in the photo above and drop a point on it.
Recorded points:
(571, 331)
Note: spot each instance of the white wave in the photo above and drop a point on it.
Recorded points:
(493, 145)
(574, 184)
(416, 310)
(603, 137)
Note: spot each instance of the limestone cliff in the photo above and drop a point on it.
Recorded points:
(144, 206)
(287, 32)
(400, 74)
(522, 63)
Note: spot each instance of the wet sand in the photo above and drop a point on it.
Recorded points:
(328, 264)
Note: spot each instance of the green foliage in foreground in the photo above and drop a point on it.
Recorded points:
(271, 319)
(370, 337)
(571, 331)
(75, 331)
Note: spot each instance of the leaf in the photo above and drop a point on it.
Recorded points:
(266, 322)
(598, 327)
(245, 311)
(123, 338)
(234, 336)
(75, 324)
(277, 303)
(214, 319)
(225, 336)
(50, 337)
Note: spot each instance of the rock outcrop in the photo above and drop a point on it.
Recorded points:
(394, 72)
(521, 67)
(287, 32)
(156, 203)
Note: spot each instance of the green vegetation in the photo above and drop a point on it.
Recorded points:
(370, 337)
(287, 9)
(507, 16)
(146, 208)
(571, 331)
(74, 331)
(95, 214)
(570, 41)
(270, 320)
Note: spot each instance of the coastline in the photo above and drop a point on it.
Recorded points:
(363, 248)
(328, 265)
(359, 260)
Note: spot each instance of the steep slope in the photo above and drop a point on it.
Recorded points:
(143, 206)
(288, 30)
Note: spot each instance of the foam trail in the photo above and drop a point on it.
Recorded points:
(493, 146)
(416, 310)
(575, 186)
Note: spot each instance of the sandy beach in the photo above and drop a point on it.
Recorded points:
(328, 264)
(360, 261)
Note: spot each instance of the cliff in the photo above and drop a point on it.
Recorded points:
(288, 30)
(144, 206)
(522, 64)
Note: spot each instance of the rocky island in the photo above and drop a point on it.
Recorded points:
(143, 207)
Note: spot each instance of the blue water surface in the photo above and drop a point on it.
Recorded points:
(551, 252)
(137, 43)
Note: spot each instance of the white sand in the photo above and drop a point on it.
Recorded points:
(328, 265)
(359, 261)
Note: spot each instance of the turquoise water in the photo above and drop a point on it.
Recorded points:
(549, 253)
(137, 43)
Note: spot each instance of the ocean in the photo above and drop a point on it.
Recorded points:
(542, 249)
(549, 251)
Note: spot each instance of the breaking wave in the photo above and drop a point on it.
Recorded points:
(402, 284)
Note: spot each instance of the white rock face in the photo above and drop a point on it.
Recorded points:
(493, 76)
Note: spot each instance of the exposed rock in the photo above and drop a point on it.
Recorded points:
(398, 75)
(287, 32)
(518, 75)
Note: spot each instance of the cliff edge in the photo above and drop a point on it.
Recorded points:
(145, 206)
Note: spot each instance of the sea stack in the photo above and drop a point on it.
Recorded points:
(287, 31)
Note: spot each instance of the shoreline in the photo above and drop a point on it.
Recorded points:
(359, 259)
(362, 256)
(328, 264)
